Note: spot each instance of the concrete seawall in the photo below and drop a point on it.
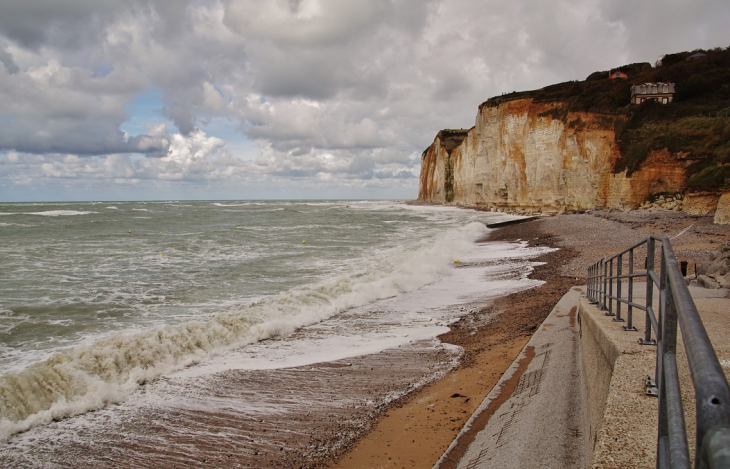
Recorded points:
(534, 416)
(586, 406)
(621, 418)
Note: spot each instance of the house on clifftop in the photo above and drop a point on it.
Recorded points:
(661, 92)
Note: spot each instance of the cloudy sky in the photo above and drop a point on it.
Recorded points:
(270, 99)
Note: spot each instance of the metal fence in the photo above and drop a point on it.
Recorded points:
(674, 307)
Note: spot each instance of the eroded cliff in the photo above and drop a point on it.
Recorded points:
(582, 144)
(539, 155)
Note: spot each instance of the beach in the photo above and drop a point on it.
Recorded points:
(400, 406)
(418, 431)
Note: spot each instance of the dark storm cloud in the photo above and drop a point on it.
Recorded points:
(75, 23)
(33, 23)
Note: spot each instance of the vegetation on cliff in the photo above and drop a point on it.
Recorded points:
(696, 125)
(450, 139)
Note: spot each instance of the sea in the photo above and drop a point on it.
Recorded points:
(101, 302)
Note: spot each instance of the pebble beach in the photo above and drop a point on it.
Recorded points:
(423, 424)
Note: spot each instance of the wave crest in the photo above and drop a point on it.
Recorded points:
(89, 377)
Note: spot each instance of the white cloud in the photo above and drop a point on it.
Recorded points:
(334, 94)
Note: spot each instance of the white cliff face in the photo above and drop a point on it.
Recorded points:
(529, 155)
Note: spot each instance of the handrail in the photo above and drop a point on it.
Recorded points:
(674, 308)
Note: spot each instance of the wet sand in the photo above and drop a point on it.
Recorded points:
(418, 432)
(290, 417)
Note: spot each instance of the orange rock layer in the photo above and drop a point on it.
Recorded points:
(537, 156)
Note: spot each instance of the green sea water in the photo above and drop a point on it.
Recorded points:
(96, 298)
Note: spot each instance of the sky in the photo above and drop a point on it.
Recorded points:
(287, 99)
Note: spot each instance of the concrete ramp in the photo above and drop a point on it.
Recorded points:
(534, 416)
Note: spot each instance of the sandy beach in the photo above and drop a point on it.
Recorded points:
(416, 430)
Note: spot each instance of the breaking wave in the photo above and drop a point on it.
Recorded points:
(89, 377)
(59, 213)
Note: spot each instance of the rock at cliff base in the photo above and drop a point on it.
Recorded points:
(707, 282)
(700, 203)
(722, 212)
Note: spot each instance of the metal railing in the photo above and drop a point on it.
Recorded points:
(674, 307)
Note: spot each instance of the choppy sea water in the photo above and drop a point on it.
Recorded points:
(99, 298)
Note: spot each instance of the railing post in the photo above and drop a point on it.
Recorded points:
(590, 283)
(649, 292)
(594, 285)
(610, 288)
(605, 285)
(630, 313)
(602, 283)
(652, 385)
(659, 373)
(619, 270)
(671, 416)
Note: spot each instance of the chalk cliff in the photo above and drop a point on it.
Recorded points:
(583, 144)
(535, 156)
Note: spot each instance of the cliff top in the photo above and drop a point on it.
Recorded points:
(704, 81)
(695, 125)
(452, 138)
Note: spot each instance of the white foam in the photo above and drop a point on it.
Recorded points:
(59, 213)
(259, 204)
(387, 323)
(90, 376)
(60, 322)
(11, 321)
(87, 377)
